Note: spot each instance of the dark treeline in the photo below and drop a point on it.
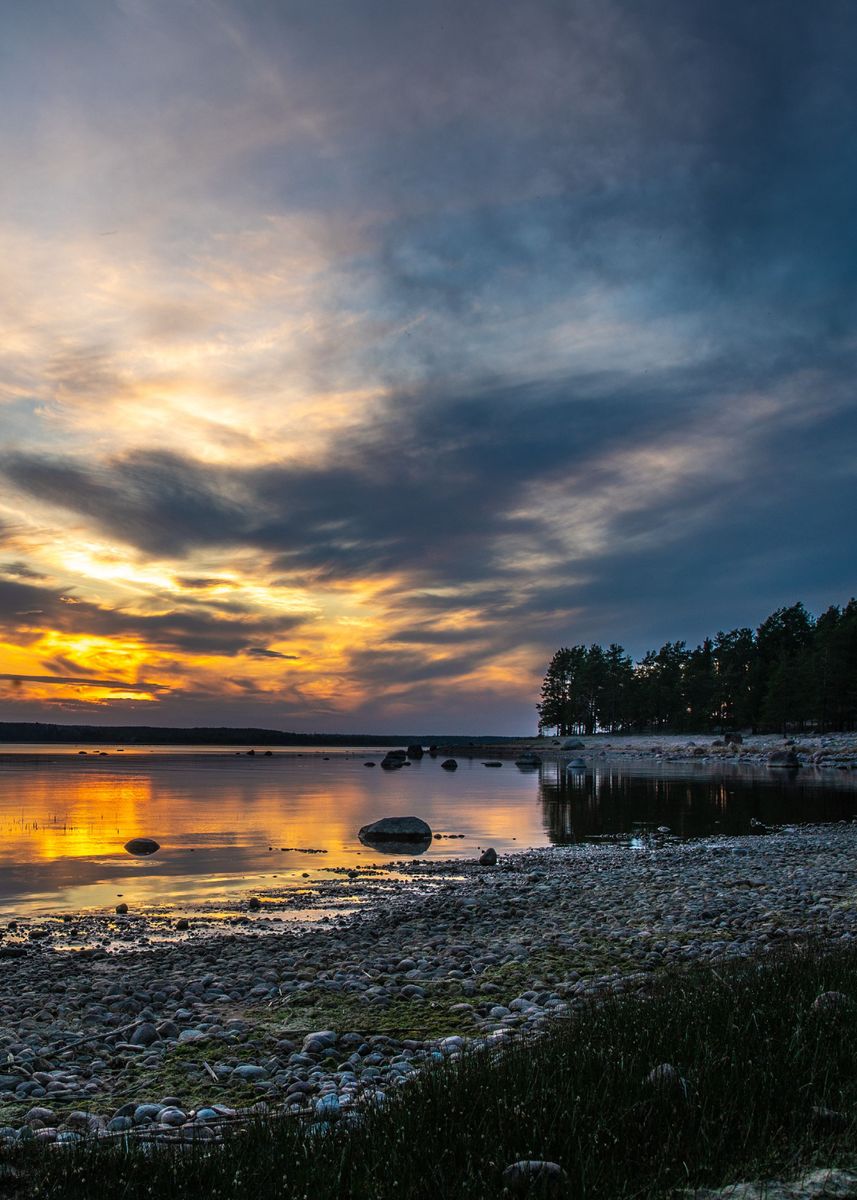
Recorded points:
(31, 732)
(794, 672)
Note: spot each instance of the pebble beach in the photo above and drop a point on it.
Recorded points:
(179, 1040)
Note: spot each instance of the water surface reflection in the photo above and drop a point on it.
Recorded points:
(609, 800)
(230, 825)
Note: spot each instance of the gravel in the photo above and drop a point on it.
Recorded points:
(180, 1040)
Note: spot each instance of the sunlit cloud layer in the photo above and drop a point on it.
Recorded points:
(357, 355)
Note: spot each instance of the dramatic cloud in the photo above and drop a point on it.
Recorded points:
(76, 681)
(381, 348)
(262, 652)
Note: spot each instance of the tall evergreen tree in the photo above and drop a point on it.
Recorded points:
(793, 672)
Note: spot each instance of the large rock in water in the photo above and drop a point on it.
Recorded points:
(393, 833)
(783, 758)
(142, 846)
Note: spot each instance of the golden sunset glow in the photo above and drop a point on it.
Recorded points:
(345, 373)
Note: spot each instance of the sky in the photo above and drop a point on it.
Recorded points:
(356, 355)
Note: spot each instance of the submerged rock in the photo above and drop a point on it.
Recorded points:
(449, 764)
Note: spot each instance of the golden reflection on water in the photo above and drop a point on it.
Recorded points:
(79, 821)
(227, 825)
(230, 825)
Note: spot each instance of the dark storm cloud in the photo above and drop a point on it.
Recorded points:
(163, 502)
(25, 607)
(391, 668)
(702, 155)
(617, 243)
(20, 570)
(264, 652)
(432, 495)
(78, 681)
(429, 486)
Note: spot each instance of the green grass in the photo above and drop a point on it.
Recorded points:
(754, 1053)
(419, 1018)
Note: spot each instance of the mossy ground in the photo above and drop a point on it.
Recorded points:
(755, 1055)
(431, 1017)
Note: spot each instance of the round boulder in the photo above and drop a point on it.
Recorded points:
(831, 1003)
(783, 758)
(488, 858)
(535, 1176)
(142, 846)
(410, 830)
(145, 1035)
(449, 764)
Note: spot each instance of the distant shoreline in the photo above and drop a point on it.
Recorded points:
(23, 732)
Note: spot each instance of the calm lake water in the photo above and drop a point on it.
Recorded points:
(229, 825)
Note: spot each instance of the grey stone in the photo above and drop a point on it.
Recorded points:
(535, 1175)
(250, 1073)
(823, 1183)
(145, 1113)
(324, 1039)
(783, 758)
(396, 829)
(172, 1116)
(45, 1115)
(664, 1077)
(142, 846)
(488, 858)
(145, 1035)
(831, 1003)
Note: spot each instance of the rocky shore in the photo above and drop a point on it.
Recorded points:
(835, 751)
(180, 1040)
